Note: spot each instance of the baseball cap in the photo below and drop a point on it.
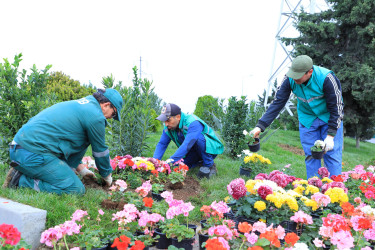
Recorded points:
(167, 111)
(116, 99)
(300, 65)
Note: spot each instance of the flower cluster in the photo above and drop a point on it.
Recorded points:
(237, 188)
(9, 235)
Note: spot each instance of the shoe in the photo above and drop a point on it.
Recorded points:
(12, 178)
(207, 172)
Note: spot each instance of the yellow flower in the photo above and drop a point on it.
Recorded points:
(299, 189)
(311, 203)
(250, 186)
(150, 165)
(260, 205)
(302, 182)
(326, 179)
(226, 199)
(311, 189)
(291, 202)
(263, 220)
(337, 195)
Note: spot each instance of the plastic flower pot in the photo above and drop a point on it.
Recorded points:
(317, 154)
(203, 223)
(194, 227)
(255, 146)
(156, 197)
(202, 238)
(244, 219)
(186, 244)
(163, 241)
(245, 171)
(291, 226)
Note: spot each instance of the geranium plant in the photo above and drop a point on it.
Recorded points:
(10, 238)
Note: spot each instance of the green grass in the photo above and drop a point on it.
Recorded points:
(60, 208)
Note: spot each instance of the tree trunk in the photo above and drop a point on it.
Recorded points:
(357, 142)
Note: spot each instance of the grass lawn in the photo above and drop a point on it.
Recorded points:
(282, 148)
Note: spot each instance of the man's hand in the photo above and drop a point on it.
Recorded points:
(84, 172)
(255, 132)
(169, 161)
(108, 180)
(329, 142)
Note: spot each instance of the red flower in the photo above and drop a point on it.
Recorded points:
(9, 234)
(237, 188)
(155, 172)
(263, 191)
(364, 223)
(138, 245)
(363, 177)
(347, 209)
(148, 201)
(291, 239)
(214, 244)
(244, 227)
(123, 244)
(271, 237)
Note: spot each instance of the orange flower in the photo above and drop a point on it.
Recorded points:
(271, 237)
(244, 227)
(291, 239)
(255, 248)
(347, 209)
(364, 223)
(148, 201)
(155, 172)
(214, 244)
(138, 245)
(123, 244)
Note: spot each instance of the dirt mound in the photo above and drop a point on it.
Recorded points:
(292, 149)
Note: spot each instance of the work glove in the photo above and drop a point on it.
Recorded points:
(169, 161)
(108, 180)
(329, 142)
(85, 172)
(255, 132)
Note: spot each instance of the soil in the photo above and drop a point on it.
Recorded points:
(296, 150)
(181, 191)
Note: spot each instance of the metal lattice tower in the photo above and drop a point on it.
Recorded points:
(282, 54)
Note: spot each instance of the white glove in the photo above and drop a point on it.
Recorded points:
(169, 161)
(86, 172)
(108, 180)
(255, 132)
(329, 142)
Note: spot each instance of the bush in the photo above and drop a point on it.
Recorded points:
(235, 121)
(22, 96)
(210, 110)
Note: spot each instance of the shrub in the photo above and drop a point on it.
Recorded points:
(233, 126)
(210, 110)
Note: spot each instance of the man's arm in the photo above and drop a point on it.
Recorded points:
(282, 96)
(335, 105)
(194, 130)
(100, 151)
(161, 146)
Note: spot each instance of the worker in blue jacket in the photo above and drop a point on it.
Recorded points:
(50, 145)
(320, 111)
(197, 143)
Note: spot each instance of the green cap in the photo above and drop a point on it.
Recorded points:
(300, 65)
(115, 98)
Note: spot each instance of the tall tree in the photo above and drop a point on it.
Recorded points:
(343, 40)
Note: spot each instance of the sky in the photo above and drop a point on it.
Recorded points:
(187, 49)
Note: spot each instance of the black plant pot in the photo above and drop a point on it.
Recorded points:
(186, 244)
(291, 226)
(156, 197)
(194, 227)
(202, 238)
(317, 155)
(163, 241)
(244, 219)
(255, 146)
(203, 223)
(245, 171)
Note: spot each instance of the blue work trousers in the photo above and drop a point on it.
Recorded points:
(197, 154)
(46, 173)
(332, 159)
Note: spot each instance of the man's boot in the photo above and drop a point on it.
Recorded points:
(207, 172)
(13, 176)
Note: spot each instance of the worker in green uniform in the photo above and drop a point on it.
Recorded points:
(47, 149)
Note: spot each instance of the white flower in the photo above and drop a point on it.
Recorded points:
(247, 152)
(271, 184)
(371, 169)
(319, 143)
(169, 161)
(368, 210)
(245, 132)
(239, 156)
(300, 246)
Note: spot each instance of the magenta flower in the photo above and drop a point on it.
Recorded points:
(251, 238)
(51, 236)
(323, 172)
(221, 231)
(263, 191)
(237, 188)
(315, 181)
(144, 189)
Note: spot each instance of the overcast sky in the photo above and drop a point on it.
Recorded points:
(188, 48)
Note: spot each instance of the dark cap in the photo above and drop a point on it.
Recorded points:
(300, 65)
(167, 111)
(116, 99)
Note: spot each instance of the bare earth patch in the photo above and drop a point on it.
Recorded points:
(295, 150)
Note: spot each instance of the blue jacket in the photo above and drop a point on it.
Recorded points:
(331, 90)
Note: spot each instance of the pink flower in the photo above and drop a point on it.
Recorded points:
(220, 207)
(321, 199)
(168, 196)
(280, 232)
(359, 169)
(122, 184)
(301, 217)
(342, 239)
(357, 200)
(179, 208)
(315, 181)
(323, 172)
(144, 189)
(151, 219)
(369, 234)
(251, 238)
(221, 230)
(101, 212)
(51, 236)
(223, 241)
(326, 231)
(318, 243)
(366, 248)
(70, 228)
(261, 176)
(113, 164)
(260, 227)
(263, 191)
(78, 215)
(128, 214)
(237, 188)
